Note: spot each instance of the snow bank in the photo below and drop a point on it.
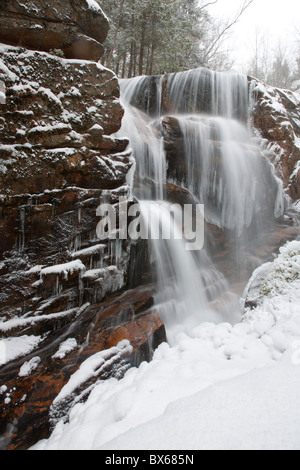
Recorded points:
(221, 387)
(250, 412)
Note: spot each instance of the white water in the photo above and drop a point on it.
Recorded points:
(185, 281)
(217, 93)
(147, 145)
(223, 172)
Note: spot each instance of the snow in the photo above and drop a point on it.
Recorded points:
(109, 279)
(67, 151)
(297, 143)
(29, 367)
(231, 416)
(9, 325)
(91, 250)
(90, 368)
(66, 269)
(272, 97)
(2, 92)
(51, 128)
(297, 205)
(97, 127)
(50, 95)
(13, 348)
(222, 387)
(4, 69)
(93, 5)
(74, 92)
(65, 348)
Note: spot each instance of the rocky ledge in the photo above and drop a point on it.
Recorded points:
(75, 27)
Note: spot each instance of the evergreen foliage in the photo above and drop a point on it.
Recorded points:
(156, 36)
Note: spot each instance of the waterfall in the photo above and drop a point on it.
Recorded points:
(223, 170)
(147, 145)
(220, 167)
(217, 93)
(181, 300)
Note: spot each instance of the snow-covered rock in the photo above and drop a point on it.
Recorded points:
(276, 123)
(75, 28)
(273, 278)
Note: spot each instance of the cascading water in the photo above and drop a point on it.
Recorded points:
(147, 145)
(204, 91)
(221, 169)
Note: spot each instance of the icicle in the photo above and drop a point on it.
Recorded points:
(22, 226)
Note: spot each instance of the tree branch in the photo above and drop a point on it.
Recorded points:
(244, 7)
(202, 7)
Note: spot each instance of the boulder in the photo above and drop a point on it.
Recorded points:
(75, 27)
(253, 295)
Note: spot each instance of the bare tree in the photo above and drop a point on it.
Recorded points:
(219, 33)
(273, 65)
(281, 74)
(260, 62)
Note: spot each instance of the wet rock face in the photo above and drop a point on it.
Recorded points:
(77, 27)
(276, 120)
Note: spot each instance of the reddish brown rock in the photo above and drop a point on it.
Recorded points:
(25, 418)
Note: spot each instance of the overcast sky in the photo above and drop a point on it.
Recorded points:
(276, 18)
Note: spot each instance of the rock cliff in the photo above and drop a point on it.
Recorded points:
(61, 288)
(76, 27)
(276, 121)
